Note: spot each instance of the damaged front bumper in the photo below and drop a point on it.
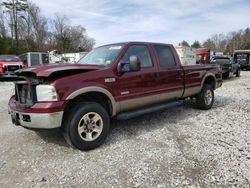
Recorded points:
(37, 120)
(39, 116)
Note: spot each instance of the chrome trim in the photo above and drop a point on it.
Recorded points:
(151, 99)
(40, 120)
(96, 89)
(188, 92)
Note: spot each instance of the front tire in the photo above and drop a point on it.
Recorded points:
(86, 125)
(205, 99)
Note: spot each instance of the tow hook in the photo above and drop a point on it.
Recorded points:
(15, 119)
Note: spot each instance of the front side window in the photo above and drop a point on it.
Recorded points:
(102, 56)
(165, 56)
(142, 52)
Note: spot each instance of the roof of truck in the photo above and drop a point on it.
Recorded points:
(134, 42)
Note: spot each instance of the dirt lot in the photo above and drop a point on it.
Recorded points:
(178, 147)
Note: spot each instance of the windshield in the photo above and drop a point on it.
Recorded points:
(103, 56)
(9, 58)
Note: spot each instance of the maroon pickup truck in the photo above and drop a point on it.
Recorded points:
(118, 80)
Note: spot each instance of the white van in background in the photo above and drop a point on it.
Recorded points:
(187, 55)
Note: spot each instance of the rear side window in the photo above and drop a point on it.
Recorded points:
(142, 52)
(165, 56)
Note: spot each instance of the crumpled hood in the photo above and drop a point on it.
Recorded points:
(48, 70)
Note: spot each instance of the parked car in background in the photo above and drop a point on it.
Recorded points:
(34, 58)
(9, 64)
(243, 58)
(227, 64)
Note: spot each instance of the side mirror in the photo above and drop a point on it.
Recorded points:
(133, 65)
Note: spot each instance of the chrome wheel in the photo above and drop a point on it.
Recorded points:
(208, 97)
(90, 126)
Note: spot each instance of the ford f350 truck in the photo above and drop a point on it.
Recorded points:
(118, 80)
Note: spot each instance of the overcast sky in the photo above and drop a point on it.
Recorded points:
(167, 21)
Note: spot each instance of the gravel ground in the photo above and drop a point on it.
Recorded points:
(178, 147)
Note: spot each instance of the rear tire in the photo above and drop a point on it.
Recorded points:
(205, 99)
(225, 75)
(238, 73)
(86, 126)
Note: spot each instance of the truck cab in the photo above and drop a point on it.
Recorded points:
(203, 55)
(243, 58)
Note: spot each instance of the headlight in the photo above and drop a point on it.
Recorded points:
(46, 93)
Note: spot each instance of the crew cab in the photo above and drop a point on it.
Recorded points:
(119, 80)
(228, 65)
(9, 64)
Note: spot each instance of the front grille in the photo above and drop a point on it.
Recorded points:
(11, 68)
(25, 94)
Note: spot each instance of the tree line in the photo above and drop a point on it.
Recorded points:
(23, 28)
(226, 43)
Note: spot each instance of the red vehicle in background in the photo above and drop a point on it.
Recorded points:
(203, 55)
(9, 64)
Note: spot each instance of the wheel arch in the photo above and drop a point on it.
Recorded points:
(94, 94)
(209, 79)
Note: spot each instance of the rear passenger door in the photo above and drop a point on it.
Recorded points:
(170, 76)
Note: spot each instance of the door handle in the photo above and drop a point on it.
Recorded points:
(156, 75)
(178, 74)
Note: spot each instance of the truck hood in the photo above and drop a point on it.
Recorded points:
(63, 69)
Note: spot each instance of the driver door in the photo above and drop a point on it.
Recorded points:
(134, 89)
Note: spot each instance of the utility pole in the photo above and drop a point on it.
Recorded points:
(15, 7)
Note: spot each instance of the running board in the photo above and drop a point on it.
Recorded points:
(146, 110)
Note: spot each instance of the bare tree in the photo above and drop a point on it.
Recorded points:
(80, 40)
(3, 29)
(32, 31)
(61, 32)
(39, 26)
(70, 38)
(184, 43)
(33, 28)
(15, 7)
(196, 44)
